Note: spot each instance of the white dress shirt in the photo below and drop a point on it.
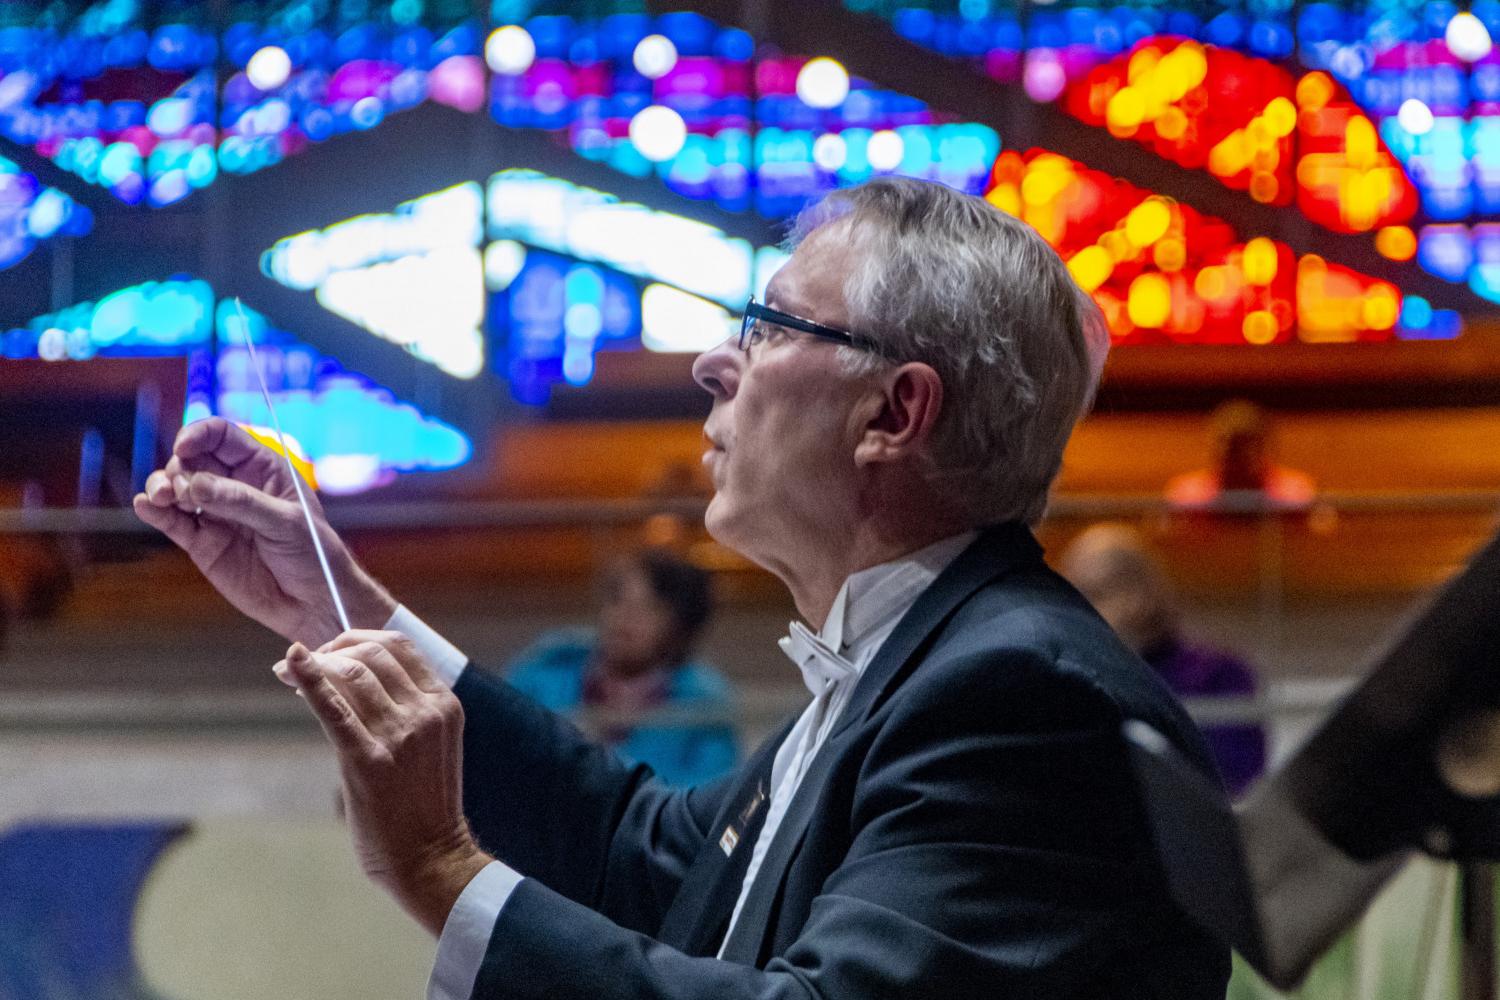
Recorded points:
(865, 611)
(864, 614)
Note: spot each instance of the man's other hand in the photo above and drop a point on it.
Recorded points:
(228, 501)
(398, 733)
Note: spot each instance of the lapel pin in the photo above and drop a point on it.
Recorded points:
(731, 836)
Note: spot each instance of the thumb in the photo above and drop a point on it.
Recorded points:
(300, 668)
(240, 503)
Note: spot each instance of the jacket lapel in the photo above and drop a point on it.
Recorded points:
(748, 936)
(997, 551)
(695, 921)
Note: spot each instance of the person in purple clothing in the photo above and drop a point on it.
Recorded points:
(1112, 566)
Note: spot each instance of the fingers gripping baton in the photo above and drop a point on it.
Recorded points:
(286, 453)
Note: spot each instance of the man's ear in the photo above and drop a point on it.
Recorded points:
(904, 414)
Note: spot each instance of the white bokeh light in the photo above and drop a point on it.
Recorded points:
(342, 474)
(1415, 117)
(693, 256)
(658, 133)
(510, 50)
(886, 150)
(1467, 37)
(822, 83)
(503, 260)
(655, 55)
(52, 345)
(269, 68)
(830, 151)
(676, 321)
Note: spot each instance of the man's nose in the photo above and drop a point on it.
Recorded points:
(717, 370)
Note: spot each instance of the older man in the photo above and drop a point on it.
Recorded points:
(951, 816)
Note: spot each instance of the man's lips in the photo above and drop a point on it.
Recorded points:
(711, 453)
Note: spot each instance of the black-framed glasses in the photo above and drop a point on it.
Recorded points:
(755, 314)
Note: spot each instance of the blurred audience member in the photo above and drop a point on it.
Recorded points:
(1240, 434)
(1111, 565)
(653, 609)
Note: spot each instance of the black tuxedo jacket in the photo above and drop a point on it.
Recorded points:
(969, 829)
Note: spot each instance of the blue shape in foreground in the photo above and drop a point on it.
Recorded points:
(68, 896)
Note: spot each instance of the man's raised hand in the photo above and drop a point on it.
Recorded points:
(227, 501)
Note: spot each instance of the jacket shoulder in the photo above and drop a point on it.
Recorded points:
(1031, 636)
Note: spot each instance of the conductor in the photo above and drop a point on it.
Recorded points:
(952, 814)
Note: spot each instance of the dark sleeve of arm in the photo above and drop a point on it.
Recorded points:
(566, 812)
(990, 857)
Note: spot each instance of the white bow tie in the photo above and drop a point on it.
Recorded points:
(821, 664)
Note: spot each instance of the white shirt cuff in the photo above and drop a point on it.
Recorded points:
(444, 657)
(466, 933)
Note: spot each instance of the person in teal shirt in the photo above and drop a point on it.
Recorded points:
(639, 660)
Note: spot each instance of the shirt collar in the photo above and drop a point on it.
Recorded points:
(871, 601)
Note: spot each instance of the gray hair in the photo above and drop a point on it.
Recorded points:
(947, 279)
